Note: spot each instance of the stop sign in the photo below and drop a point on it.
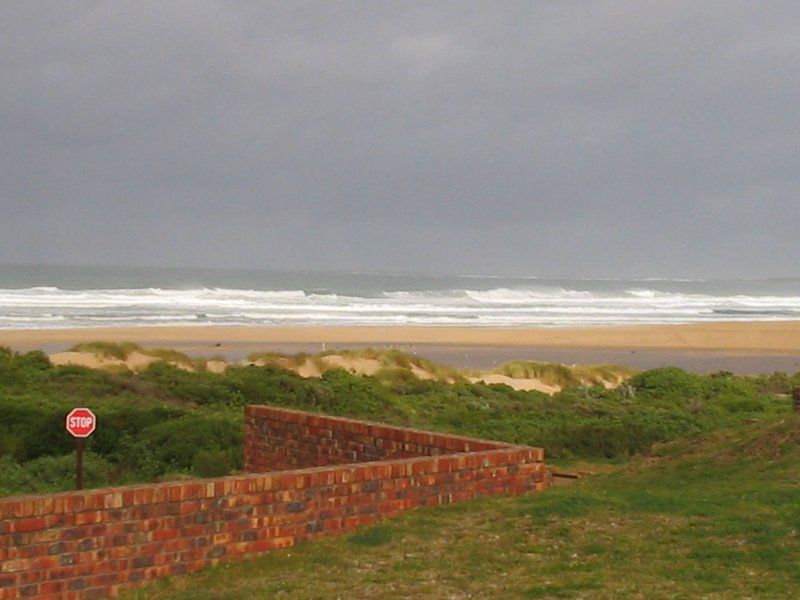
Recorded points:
(81, 422)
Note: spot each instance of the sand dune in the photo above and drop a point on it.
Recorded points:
(136, 361)
(388, 366)
(526, 384)
(314, 366)
(367, 362)
(355, 365)
(85, 359)
(741, 338)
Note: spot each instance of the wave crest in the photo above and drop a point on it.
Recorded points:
(528, 305)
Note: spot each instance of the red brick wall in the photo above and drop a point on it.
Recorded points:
(277, 439)
(91, 544)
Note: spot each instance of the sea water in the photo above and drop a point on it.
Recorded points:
(46, 297)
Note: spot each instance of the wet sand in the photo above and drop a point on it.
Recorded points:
(738, 347)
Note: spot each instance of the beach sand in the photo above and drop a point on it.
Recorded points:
(753, 347)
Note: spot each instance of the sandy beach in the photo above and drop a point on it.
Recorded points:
(753, 347)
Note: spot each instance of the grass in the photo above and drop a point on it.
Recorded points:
(123, 350)
(278, 359)
(167, 421)
(397, 366)
(564, 376)
(119, 351)
(398, 359)
(717, 516)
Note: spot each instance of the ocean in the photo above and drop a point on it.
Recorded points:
(56, 297)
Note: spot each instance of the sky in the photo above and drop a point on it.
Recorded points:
(627, 138)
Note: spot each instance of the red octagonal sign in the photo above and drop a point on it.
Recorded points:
(81, 422)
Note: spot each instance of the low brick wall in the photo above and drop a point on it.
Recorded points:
(277, 439)
(91, 544)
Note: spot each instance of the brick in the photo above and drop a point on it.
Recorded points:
(78, 584)
(296, 507)
(28, 591)
(114, 538)
(29, 524)
(143, 561)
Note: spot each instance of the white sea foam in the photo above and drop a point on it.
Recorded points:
(528, 305)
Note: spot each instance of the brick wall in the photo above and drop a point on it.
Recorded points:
(277, 439)
(90, 544)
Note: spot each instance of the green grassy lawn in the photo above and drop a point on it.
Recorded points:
(715, 516)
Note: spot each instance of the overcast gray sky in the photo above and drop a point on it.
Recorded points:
(613, 138)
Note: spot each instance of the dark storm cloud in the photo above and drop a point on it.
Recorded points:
(552, 138)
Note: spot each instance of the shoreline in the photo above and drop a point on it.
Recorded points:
(742, 347)
(751, 336)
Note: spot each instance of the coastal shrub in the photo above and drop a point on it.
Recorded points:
(13, 477)
(199, 388)
(58, 472)
(120, 351)
(215, 463)
(273, 385)
(551, 374)
(396, 359)
(16, 368)
(76, 381)
(727, 383)
(564, 376)
(117, 424)
(776, 383)
(34, 361)
(668, 383)
(123, 350)
(276, 358)
(51, 473)
(740, 404)
(389, 359)
(169, 422)
(30, 429)
(364, 398)
(394, 376)
(172, 446)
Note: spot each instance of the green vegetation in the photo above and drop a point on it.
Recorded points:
(123, 351)
(396, 366)
(716, 516)
(563, 376)
(278, 359)
(699, 497)
(395, 359)
(167, 422)
(120, 351)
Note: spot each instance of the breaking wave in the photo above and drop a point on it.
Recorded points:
(529, 305)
